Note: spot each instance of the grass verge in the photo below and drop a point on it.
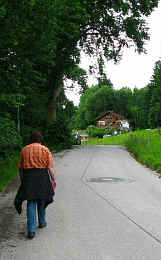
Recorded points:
(111, 140)
(8, 170)
(146, 147)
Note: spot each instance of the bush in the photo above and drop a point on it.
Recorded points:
(58, 135)
(109, 130)
(94, 131)
(10, 141)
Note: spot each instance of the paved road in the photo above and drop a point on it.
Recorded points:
(107, 207)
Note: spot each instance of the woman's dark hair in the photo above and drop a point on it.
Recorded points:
(36, 137)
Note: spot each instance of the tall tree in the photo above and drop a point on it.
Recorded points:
(154, 94)
(139, 108)
(123, 101)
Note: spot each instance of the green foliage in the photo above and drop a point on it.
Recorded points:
(94, 131)
(145, 145)
(10, 141)
(139, 108)
(110, 130)
(58, 135)
(123, 101)
(40, 40)
(26, 131)
(94, 102)
(154, 101)
(9, 170)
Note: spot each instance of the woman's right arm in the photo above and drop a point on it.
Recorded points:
(51, 166)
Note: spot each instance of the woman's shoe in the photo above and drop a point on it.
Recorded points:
(31, 235)
(43, 225)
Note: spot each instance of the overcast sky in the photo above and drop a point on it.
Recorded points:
(133, 69)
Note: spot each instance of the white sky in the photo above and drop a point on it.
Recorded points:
(133, 69)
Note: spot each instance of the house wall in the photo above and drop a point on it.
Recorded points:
(112, 120)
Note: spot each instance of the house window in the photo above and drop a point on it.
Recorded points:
(108, 117)
(103, 123)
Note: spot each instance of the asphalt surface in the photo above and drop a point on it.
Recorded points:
(107, 207)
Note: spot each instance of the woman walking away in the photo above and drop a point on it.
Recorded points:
(36, 170)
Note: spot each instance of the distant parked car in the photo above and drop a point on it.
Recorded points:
(76, 138)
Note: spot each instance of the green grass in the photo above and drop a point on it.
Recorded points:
(111, 140)
(145, 145)
(8, 170)
(79, 131)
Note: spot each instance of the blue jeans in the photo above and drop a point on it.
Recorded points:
(31, 214)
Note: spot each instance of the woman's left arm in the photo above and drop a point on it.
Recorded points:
(52, 172)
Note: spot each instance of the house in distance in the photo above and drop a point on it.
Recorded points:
(113, 120)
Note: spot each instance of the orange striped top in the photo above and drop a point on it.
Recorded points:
(35, 155)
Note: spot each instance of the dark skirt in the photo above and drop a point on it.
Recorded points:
(36, 185)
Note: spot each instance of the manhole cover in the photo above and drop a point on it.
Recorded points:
(108, 179)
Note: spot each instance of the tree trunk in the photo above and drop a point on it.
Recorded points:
(52, 107)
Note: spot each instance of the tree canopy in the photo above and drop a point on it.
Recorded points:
(41, 39)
